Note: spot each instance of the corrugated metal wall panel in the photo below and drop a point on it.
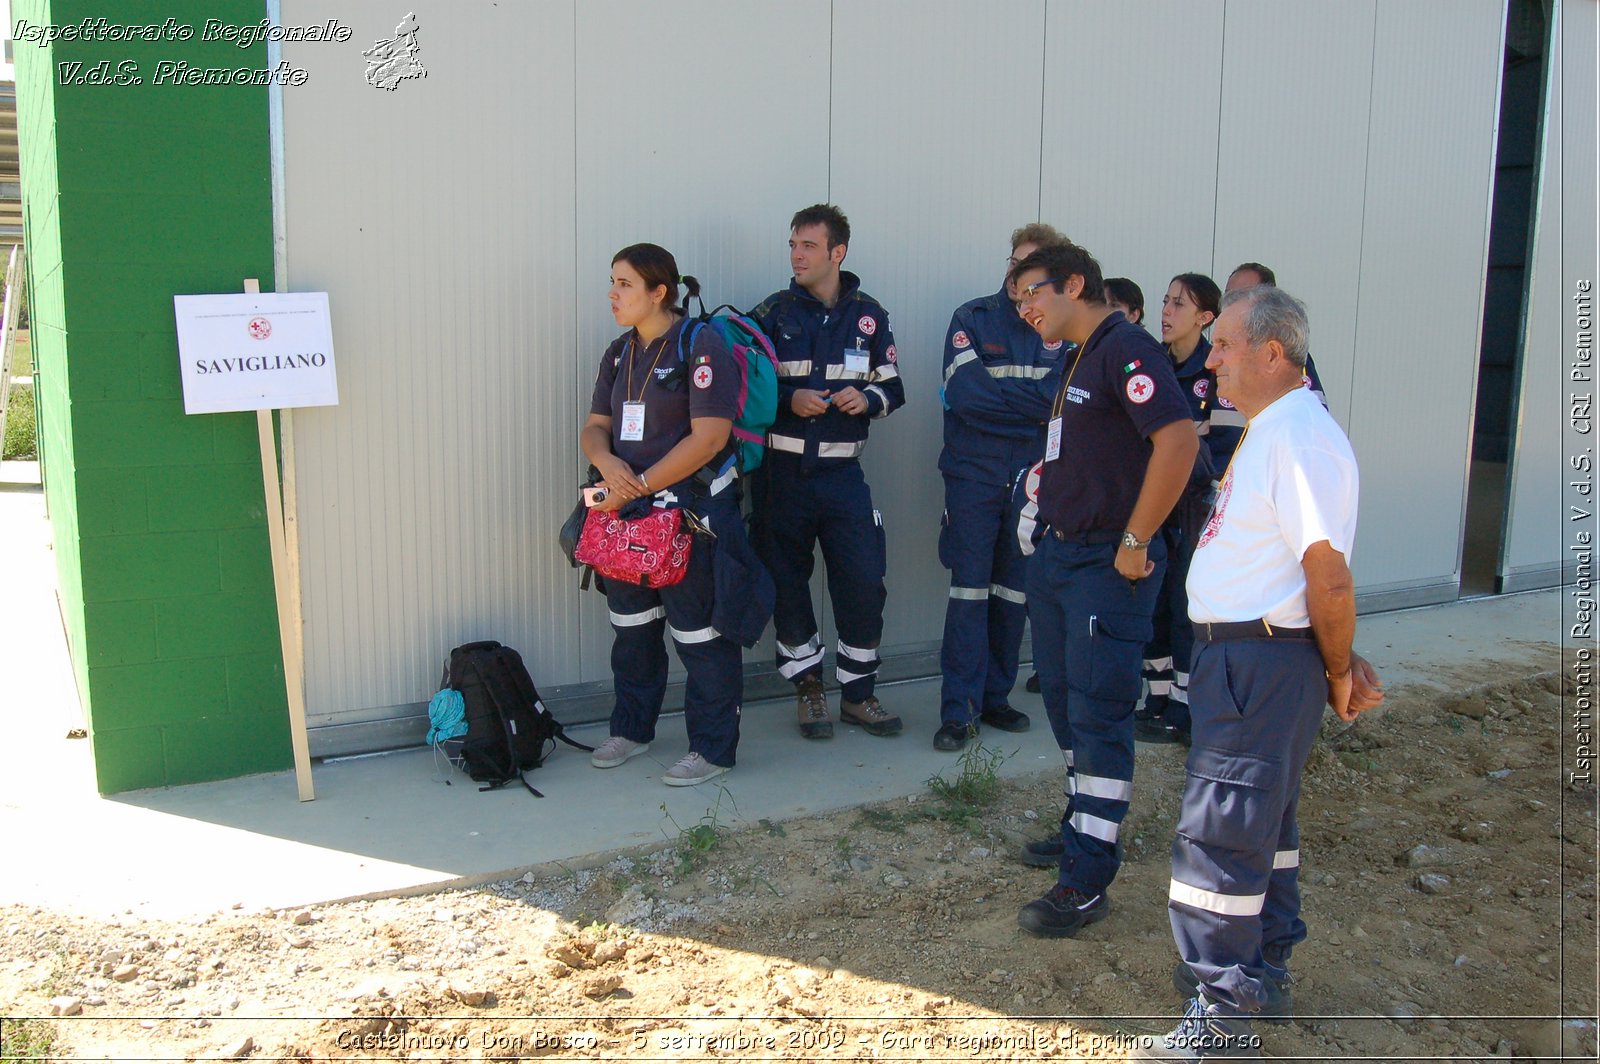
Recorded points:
(935, 158)
(464, 224)
(1292, 172)
(1130, 172)
(1539, 528)
(671, 149)
(1423, 237)
(444, 230)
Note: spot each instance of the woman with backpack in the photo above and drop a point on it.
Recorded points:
(664, 402)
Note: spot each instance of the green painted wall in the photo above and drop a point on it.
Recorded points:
(135, 193)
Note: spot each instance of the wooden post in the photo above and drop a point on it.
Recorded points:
(288, 641)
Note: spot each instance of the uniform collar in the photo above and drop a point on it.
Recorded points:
(1195, 364)
(849, 285)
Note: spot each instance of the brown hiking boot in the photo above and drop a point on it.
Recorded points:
(813, 709)
(869, 716)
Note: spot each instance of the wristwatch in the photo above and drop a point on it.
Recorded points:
(1133, 542)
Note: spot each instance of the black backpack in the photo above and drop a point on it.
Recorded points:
(509, 730)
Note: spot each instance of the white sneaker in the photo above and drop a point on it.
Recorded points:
(615, 750)
(691, 770)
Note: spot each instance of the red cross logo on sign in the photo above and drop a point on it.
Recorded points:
(259, 328)
(1140, 388)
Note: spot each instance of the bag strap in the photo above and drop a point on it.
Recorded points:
(525, 687)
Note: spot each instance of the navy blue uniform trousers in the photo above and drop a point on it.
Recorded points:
(830, 504)
(984, 619)
(1234, 901)
(1090, 626)
(640, 617)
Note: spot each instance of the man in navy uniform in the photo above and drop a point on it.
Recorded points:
(837, 373)
(1273, 605)
(1119, 445)
(996, 400)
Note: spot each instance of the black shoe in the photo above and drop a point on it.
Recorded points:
(1032, 685)
(1154, 707)
(1204, 1034)
(1278, 1008)
(1156, 730)
(952, 736)
(1005, 718)
(1063, 912)
(1045, 853)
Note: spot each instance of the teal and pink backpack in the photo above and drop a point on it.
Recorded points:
(758, 377)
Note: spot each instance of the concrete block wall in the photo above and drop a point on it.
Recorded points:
(135, 193)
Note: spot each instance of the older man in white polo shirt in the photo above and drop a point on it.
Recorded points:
(1273, 606)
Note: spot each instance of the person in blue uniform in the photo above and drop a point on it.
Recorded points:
(1225, 424)
(997, 391)
(837, 373)
(1191, 304)
(1273, 604)
(1124, 295)
(1119, 446)
(662, 411)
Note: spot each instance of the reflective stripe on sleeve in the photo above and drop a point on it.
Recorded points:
(956, 363)
(1008, 595)
(969, 594)
(1031, 373)
(1286, 859)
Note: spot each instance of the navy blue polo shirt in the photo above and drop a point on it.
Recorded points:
(1120, 390)
(675, 386)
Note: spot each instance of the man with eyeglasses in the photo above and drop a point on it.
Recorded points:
(1119, 445)
(996, 397)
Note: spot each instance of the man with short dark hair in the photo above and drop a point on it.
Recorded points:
(1273, 606)
(837, 373)
(997, 388)
(1119, 445)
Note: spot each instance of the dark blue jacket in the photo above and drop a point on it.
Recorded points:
(999, 379)
(812, 342)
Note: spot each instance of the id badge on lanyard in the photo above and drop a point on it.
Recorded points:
(632, 422)
(857, 360)
(1052, 441)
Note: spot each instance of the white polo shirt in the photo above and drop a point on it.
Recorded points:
(1292, 483)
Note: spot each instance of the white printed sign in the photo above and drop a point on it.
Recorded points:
(255, 351)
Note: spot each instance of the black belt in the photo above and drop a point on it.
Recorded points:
(1216, 632)
(1087, 538)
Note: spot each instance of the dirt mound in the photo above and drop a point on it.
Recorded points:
(1445, 869)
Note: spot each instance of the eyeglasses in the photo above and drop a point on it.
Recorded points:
(1026, 292)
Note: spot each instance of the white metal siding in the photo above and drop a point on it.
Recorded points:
(1130, 172)
(935, 158)
(464, 224)
(444, 230)
(1406, 389)
(1563, 251)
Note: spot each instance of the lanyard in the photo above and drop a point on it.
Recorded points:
(627, 393)
(1061, 396)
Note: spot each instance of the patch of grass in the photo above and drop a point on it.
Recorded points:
(25, 1040)
(697, 840)
(21, 440)
(962, 800)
